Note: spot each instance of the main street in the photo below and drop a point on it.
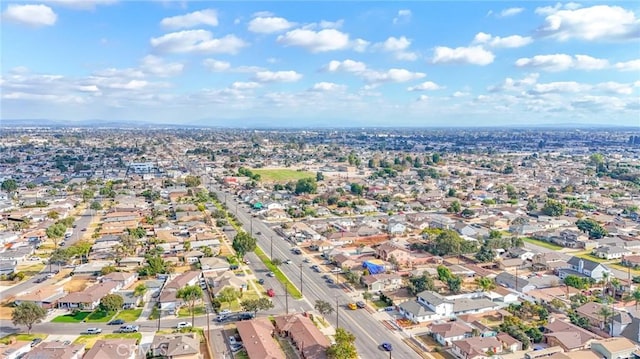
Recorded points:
(368, 331)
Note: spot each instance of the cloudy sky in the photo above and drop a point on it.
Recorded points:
(241, 63)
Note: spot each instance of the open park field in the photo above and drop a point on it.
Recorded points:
(281, 174)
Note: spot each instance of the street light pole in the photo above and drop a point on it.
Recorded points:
(337, 314)
(286, 298)
(271, 248)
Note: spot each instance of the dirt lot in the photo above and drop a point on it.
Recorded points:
(77, 284)
(5, 310)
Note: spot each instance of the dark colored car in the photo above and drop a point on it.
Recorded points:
(260, 281)
(246, 316)
(35, 342)
(360, 304)
(116, 322)
(387, 346)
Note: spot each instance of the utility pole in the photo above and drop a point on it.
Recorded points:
(159, 315)
(300, 265)
(271, 248)
(286, 297)
(337, 314)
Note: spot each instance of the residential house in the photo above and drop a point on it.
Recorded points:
(167, 299)
(257, 336)
(583, 268)
(389, 249)
(226, 279)
(509, 343)
(476, 347)
(568, 336)
(124, 279)
(447, 333)
(88, 299)
(433, 306)
(113, 349)
(514, 282)
(381, 282)
(548, 261)
(610, 252)
(45, 297)
(213, 264)
(8, 267)
(522, 253)
(591, 311)
(14, 349)
(56, 350)
(306, 337)
(615, 348)
(176, 346)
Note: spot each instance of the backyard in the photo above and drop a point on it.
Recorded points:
(542, 243)
(76, 317)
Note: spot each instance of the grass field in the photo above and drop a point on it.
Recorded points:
(281, 174)
(542, 243)
(70, 318)
(89, 340)
(129, 315)
(99, 316)
(22, 337)
(184, 311)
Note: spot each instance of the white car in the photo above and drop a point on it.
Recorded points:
(183, 325)
(93, 331)
(224, 312)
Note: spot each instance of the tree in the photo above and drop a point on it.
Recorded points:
(485, 283)
(532, 206)
(108, 269)
(635, 296)
(323, 307)
(9, 186)
(420, 283)
(553, 208)
(454, 207)
(605, 313)
(243, 243)
(367, 296)
(53, 215)
(276, 262)
(228, 295)
(254, 305)
(207, 251)
(187, 246)
(95, 205)
(319, 176)
(576, 282)
(55, 232)
(192, 181)
(455, 284)
(593, 228)
(357, 189)
(344, 347)
(444, 273)
(467, 213)
(28, 314)
(306, 185)
(140, 290)
(486, 253)
(111, 303)
(190, 294)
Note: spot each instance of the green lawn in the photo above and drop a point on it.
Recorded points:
(293, 290)
(70, 318)
(155, 313)
(379, 304)
(99, 316)
(184, 311)
(281, 174)
(129, 315)
(542, 243)
(88, 340)
(22, 337)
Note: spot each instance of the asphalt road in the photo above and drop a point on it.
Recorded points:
(368, 331)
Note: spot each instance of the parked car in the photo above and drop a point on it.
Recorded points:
(182, 325)
(35, 342)
(307, 260)
(352, 306)
(232, 340)
(129, 329)
(330, 281)
(93, 331)
(40, 279)
(336, 270)
(245, 316)
(224, 312)
(236, 347)
(116, 322)
(221, 318)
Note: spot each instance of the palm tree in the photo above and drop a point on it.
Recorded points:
(614, 283)
(635, 296)
(606, 313)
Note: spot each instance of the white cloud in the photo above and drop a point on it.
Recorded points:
(562, 62)
(512, 41)
(263, 14)
(559, 87)
(245, 85)
(196, 18)
(425, 86)
(406, 56)
(423, 98)
(510, 84)
(392, 75)
(269, 25)
(327, 87)
(633, 65)
(80, 4)
(216, 65)
(197, 41)
(460, 94)
(360, 45)
(403, 16)
(277, 76)
(30, 15)
(157, 66)
(616, 88)
(324, 24)
(316, 41)
(346, 66)
(600, 22)
(397, 45)
(511, 11)
(474, 55)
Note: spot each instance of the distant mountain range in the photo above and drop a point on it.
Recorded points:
(268, 124)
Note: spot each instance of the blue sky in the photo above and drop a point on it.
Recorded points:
(244, 63)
